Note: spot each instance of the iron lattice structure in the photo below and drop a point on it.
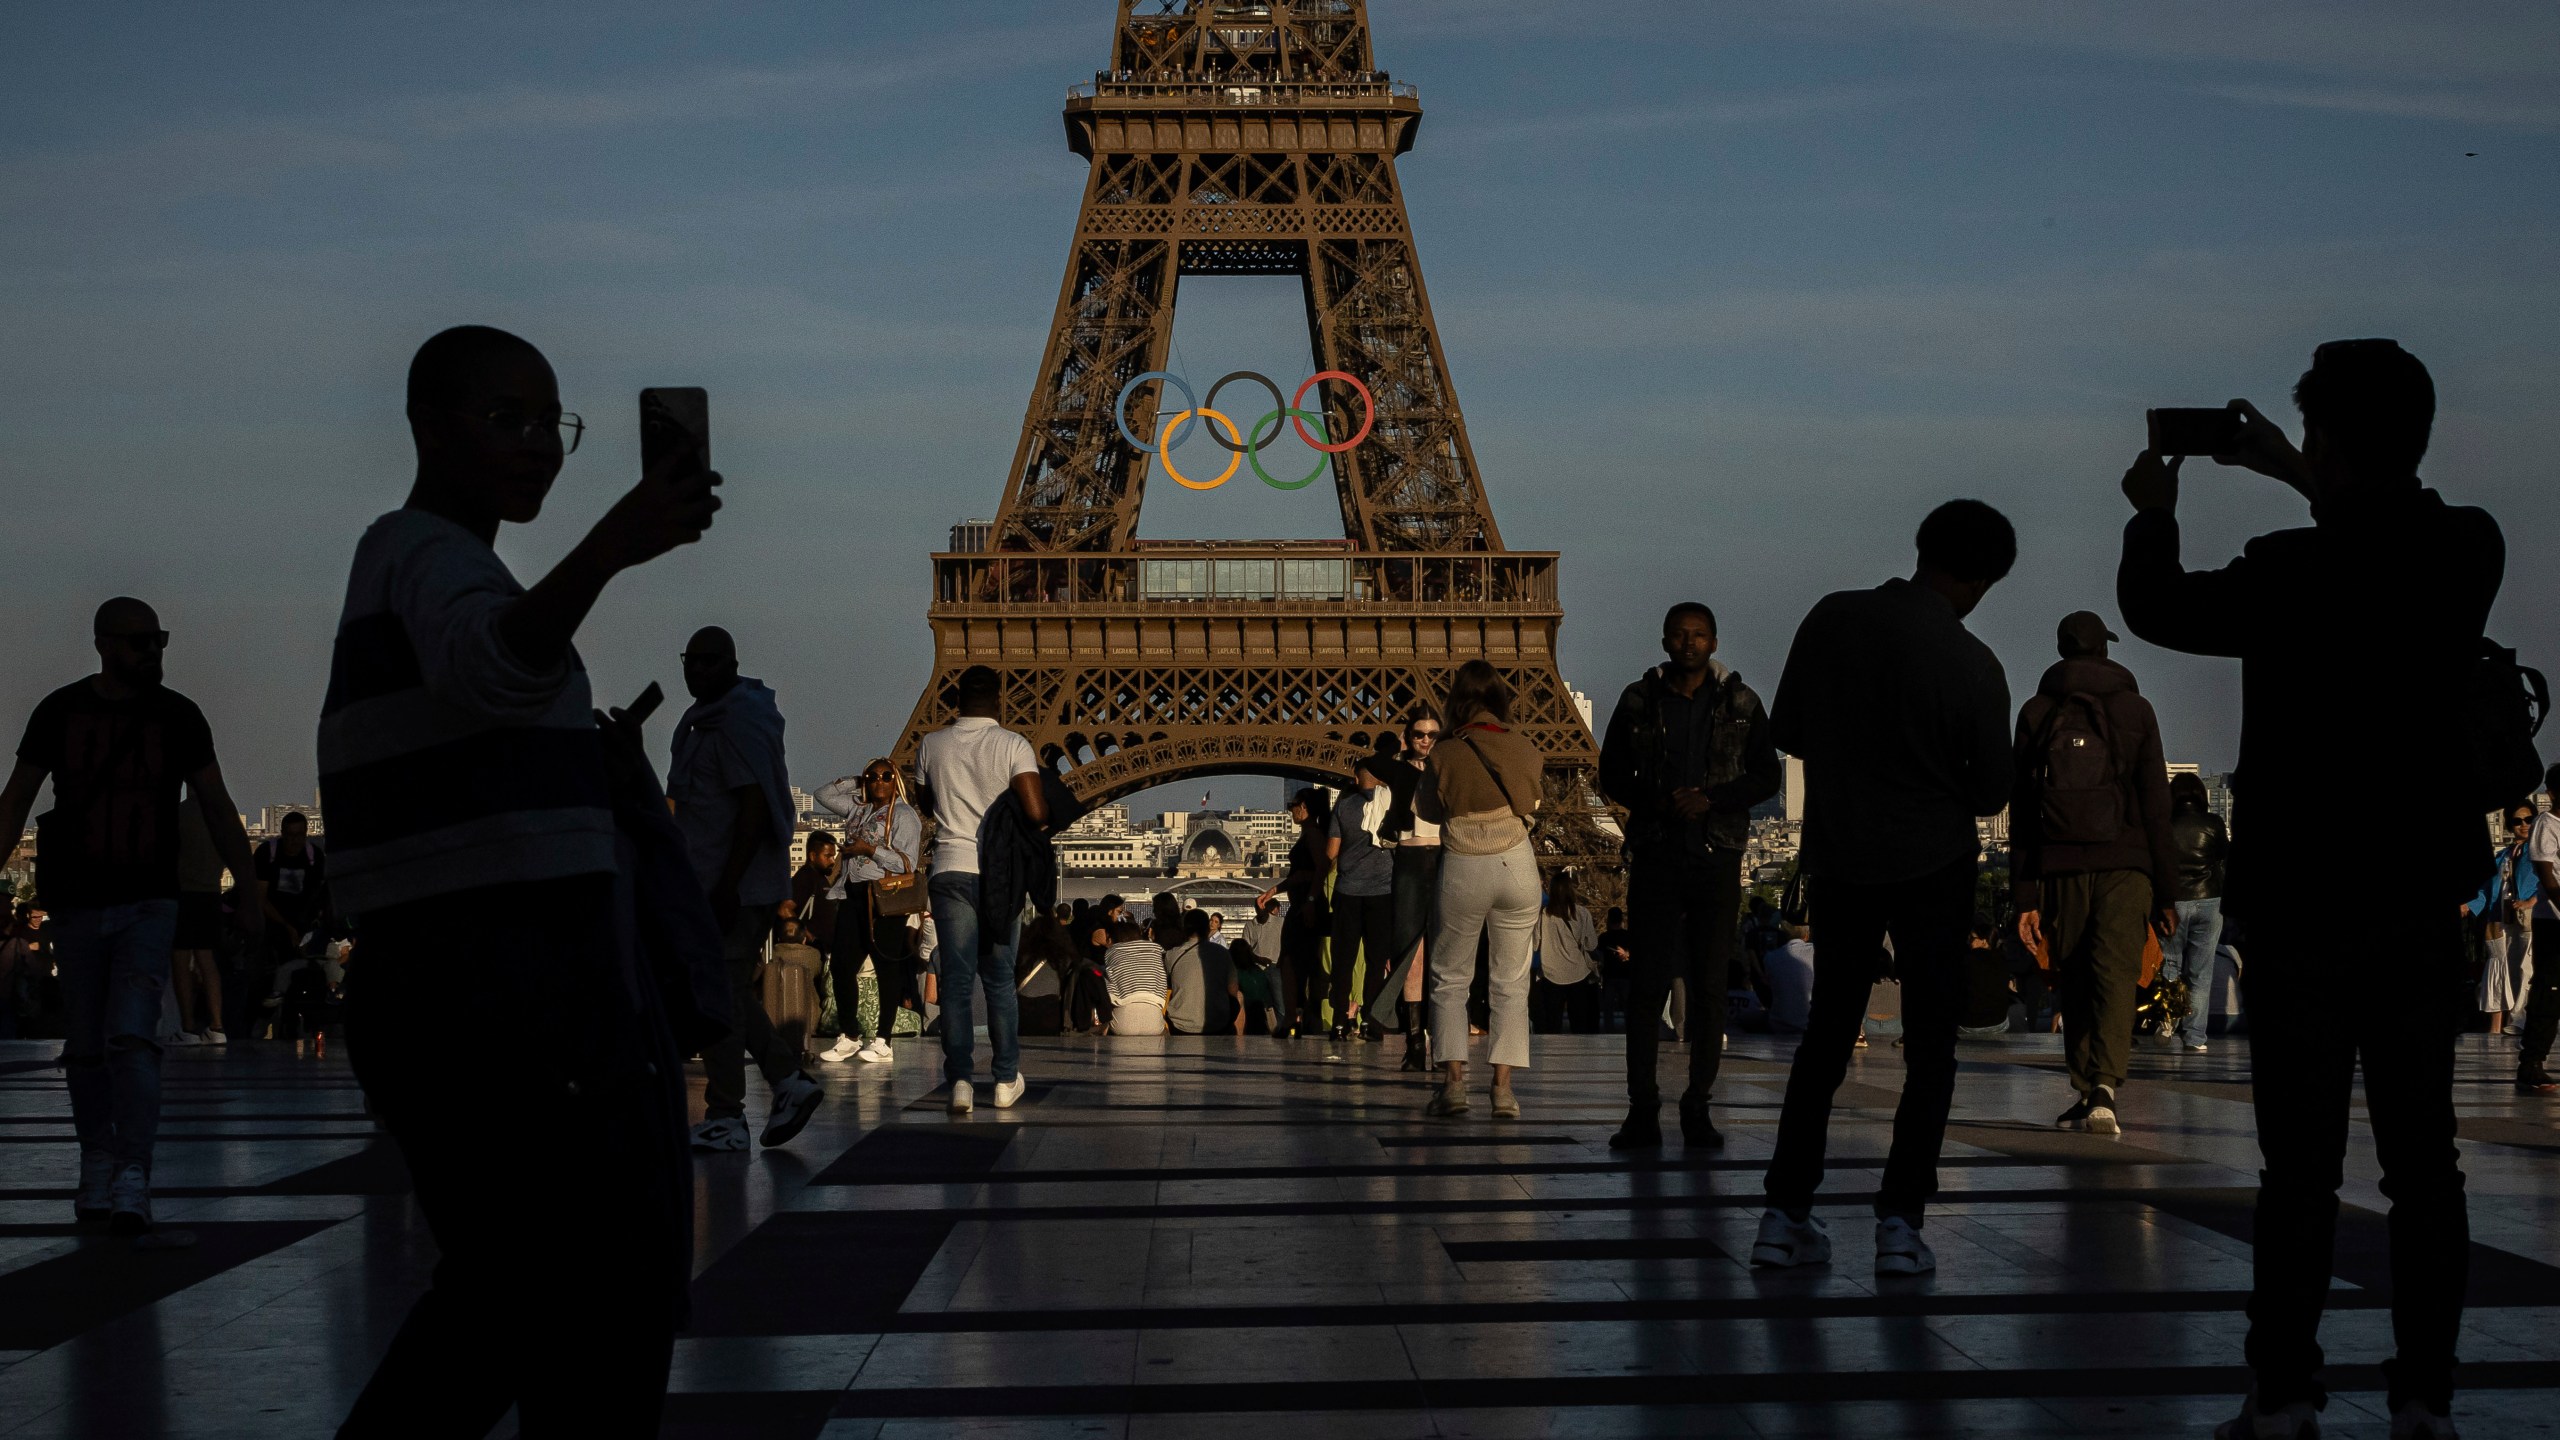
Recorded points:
(1248, 137)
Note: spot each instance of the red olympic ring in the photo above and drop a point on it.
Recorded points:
(1297, 402)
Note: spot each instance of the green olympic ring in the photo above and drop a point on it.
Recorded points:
(1253, 454)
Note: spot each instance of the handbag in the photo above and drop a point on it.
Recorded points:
(899, 892)
(1795, 905)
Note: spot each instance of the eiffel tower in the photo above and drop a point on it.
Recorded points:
(1247, 137)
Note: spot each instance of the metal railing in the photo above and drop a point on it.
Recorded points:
(1274, 579)
(1245, 90)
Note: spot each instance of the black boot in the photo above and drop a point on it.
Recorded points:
(1643, 1130)
(1696, 1130)
(1417, 1050)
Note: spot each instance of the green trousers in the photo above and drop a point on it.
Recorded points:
(2094, 923)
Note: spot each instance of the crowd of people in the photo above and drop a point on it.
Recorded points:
(503, 849)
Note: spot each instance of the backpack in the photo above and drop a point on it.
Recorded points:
(2503, 707)
(2081, 798)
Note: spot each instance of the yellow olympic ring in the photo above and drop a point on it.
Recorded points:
(1164, 449)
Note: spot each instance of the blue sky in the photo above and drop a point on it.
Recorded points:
(1731, 296)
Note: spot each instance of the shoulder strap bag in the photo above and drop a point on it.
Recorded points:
(899, 892)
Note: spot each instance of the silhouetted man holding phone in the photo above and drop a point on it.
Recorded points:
(494, 1020)
(2356, 636)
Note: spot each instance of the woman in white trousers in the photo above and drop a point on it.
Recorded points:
(1481, 789)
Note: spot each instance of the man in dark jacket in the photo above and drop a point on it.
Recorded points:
(1688, 754)
(2090, 862)
(2355, 637)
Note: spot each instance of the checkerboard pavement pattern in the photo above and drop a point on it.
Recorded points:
(1239, 1237)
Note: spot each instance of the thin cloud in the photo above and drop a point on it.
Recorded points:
(1774, 107)
(2518, 112)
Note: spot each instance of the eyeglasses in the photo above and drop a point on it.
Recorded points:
(512, 424)
(2519, 822)
(1418, 736)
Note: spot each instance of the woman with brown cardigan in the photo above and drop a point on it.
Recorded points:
(1481, 790)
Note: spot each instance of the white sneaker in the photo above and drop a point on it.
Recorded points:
(845, 1048)
(1786, 1242)
(729, 1132)
(2195, 1047)
(90, 1204)
(182, 1039)
(2297, 1421)
(2102, 1112)
(216, 1037)
(1900, 1250)
(794, 1101)
(129, 1200)
(964, 1097)
(2414, 1421)
(1009, 1091)
(877, 1052)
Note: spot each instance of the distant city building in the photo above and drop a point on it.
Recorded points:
(1582, 704)
(2217, 794)
(271, 819)
(1994, 830)
(1793, 788)
(1196, 843)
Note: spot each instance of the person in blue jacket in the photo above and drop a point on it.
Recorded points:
(2504, 907)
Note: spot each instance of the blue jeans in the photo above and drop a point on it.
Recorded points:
(958, 940)
(115, 964)
(2189, 956)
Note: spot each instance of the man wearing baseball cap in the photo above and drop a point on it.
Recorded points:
(2090, 860)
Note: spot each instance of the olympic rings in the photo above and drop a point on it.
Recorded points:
(1165, 451)
(1255, 455)
(1248, 444)
(1120, 410)
(1265, 382)
(1365, 400)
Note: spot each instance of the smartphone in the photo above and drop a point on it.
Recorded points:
(2194, 432)
(638, 711)
(674, 419)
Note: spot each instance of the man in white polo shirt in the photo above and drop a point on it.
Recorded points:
(962, 770)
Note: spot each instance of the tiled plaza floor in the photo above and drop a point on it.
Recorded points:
(1238, 1238)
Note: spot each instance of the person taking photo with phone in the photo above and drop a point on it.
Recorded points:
(467, 789)
(2391, 586)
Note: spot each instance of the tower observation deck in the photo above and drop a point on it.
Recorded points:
(1248, 137)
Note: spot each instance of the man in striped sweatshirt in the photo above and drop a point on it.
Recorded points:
(497, 1028)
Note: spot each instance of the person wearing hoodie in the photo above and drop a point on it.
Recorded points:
(2090, 858)
(732, 800)
(1688, 753)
